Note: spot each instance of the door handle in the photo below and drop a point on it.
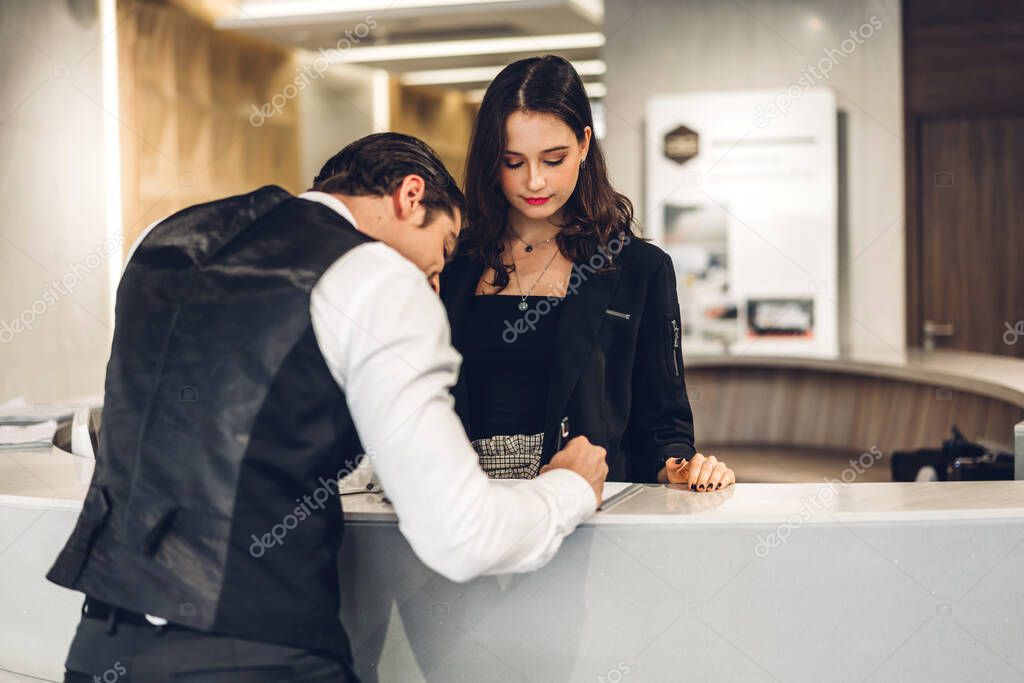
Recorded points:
(932, 330)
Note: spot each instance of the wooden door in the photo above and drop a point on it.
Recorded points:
(971, 184)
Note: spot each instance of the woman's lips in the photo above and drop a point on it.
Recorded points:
(536, 201)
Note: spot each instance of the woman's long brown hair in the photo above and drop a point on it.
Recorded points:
(593, 215)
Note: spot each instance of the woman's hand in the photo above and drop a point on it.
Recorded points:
(700, 473)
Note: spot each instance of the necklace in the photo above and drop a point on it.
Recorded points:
(515, 271)
(530, 247)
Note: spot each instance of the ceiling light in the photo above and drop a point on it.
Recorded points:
(481, 46)
(294, 8)
(480, 74)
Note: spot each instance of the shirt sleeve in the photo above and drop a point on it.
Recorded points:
(384, 335)
(138, 240)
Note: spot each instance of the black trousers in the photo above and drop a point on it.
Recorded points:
(126, 651)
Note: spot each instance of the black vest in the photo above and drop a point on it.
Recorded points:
(213, 503)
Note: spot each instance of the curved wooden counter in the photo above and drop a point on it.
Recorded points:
(855, 403)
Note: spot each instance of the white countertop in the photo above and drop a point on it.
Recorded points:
(43, 478)
(782, 504)
(51, 479)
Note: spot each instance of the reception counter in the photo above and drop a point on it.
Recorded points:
(760, 582)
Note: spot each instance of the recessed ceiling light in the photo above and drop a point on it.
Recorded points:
(480, 46)
(288, 8)
(479, 74)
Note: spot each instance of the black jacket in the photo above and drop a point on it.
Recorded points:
(618, 368)
(220, 419)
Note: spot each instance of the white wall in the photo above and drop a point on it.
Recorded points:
(52, 190)
(335, 110)
(54, 251)
(665, 46)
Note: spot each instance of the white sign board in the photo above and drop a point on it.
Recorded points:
(742, 192)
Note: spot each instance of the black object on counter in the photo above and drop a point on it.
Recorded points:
(958, 460)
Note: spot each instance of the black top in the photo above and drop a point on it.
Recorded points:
(616, 371)
(506, 363)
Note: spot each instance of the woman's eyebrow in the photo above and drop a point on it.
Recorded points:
(560, 148)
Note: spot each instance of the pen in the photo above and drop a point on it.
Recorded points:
(563, 433)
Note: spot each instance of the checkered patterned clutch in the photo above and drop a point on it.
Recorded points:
(515, 456)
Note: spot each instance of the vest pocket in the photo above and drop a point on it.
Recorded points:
(148, 520)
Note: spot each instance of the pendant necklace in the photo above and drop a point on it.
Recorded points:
(527, 246)
(515, 271)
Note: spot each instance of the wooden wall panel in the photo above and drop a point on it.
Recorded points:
(187, 97)
(961, 61)
(837, 411)
(963, 57)
(972, 246)
(440, 117)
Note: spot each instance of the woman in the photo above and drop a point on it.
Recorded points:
(566, 319)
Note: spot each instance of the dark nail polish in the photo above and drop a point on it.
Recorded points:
(700, 487)
(693, 487)
(719, 485)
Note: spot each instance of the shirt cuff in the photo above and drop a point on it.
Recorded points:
(574, 496)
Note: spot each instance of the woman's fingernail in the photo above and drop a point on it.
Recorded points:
(719, 485)
(693, 487)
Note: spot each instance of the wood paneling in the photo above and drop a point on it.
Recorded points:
(963, 63)
(972, 248)
(963, 57)
(440, 117)
(188, 95)
(837, 411)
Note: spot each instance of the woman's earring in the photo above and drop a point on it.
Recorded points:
(581, 161)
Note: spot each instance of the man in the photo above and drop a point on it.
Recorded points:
(258, 340)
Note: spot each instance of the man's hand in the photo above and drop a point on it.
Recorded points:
(700, 473)
(585, 459)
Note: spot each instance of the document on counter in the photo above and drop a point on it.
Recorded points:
(613, 488)
(38, 435)
(18, 411)
(614, 491)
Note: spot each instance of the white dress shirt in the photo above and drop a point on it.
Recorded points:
(385, 338)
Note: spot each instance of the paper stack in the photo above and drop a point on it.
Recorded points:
(18, 411)
(39, 435)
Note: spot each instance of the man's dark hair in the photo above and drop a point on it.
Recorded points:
(376, 165)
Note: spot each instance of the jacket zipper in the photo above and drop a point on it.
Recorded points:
(675, 346)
